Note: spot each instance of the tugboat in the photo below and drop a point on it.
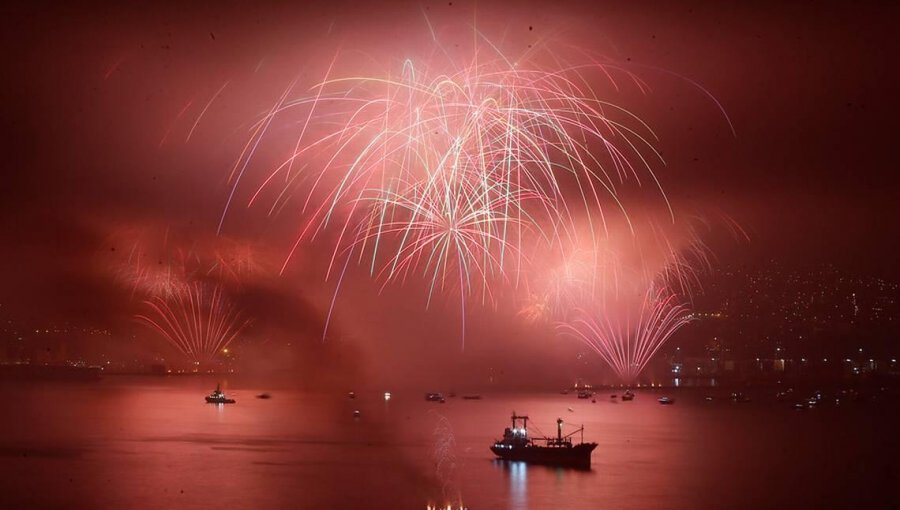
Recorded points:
(218, 397)
(628, 395)
(557, 451)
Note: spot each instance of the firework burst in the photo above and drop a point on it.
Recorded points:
(626, 336)
(198, 321)
(446, 169)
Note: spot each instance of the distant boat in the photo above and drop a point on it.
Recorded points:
(585, 394)
(264, 396)
(351, 395)
(471, 397)
(628, 395)
(666, 400)
(434, 397)
(356, 413)
(558, 451)
(739, 397)
(218, 397)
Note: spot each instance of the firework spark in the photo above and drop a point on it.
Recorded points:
(447, 169)
(627, 338)
(198, 321)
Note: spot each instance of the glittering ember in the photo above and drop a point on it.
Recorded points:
(197, 320)
(458, 171)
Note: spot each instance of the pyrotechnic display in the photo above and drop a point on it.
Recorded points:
(455, 166)
(198, 321)
(632, 255)
(626, 339)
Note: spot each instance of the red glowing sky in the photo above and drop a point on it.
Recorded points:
(96, 145)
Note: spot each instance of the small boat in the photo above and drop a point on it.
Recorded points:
(356, 413)
(471, 397)
(800, 406)
(585, 394)
(708, 398)
(739, 397)
(218, 397)
(264, 396)
(351, 395)
(434, 397)
(516, 445)
(666, 400)
(628, 395)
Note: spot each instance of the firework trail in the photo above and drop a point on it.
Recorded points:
(582, 276)
(627, 339)
(235, 263)
(632, 255)
(147, 274)
(444, 453)
(444, 169)
(198, 321)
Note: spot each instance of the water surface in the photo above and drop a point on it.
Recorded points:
(147, 443)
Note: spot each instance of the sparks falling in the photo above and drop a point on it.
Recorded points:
(450, 170)
(198, 321)
(626, 339)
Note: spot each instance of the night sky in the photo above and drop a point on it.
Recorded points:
(97, 155)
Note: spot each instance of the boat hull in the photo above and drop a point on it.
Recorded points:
(575, 456)
(219, 400)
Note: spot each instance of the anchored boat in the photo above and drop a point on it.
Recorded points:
(559, 450)
(218, 397)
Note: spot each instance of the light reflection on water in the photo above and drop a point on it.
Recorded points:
(518, 485)
(153, 443)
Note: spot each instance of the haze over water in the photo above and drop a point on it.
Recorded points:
(149, 443)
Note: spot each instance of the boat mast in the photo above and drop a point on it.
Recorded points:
(523, 418)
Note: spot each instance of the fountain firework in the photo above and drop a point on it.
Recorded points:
(197, 320)
(626, 335)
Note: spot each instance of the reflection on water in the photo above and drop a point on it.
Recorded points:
(154, 443)
(518, 485)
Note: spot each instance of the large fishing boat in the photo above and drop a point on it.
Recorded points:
(559, 450)
(218, 397)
